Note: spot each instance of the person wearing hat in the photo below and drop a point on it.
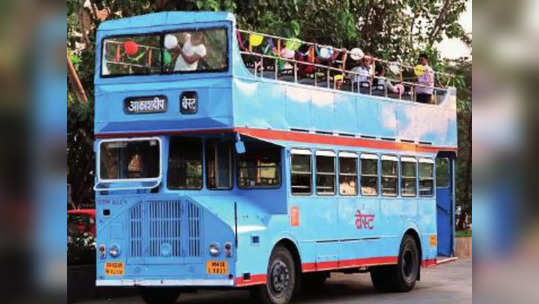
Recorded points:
(363, 72)
(425, 79)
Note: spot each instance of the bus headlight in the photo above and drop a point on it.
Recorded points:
(214, 249)
(114, 251)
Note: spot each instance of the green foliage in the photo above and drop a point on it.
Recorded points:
(392, 30)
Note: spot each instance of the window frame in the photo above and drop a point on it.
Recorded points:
(302, 151)
(433, 177)
(161, 35)
(348, 155)
(395, 158)
(279, 175)
(203, 159)
(371, 156)
(329, 153)
(205, 167)
(409, 159)
(158, 178)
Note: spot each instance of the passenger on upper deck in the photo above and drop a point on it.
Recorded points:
(381, 82)
(191, 52)
(425, 80)
(364, 72)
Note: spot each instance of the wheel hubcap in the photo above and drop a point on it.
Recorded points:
(280, 277)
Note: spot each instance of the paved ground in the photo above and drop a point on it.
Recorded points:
(447, 283)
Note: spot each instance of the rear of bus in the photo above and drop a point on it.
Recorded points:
(148, 235)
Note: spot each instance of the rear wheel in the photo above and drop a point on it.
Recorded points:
(281, 282)
(403, 276)
(159, 295)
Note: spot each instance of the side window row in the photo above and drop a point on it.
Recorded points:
(376, 174)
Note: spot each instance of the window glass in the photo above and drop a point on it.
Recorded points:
(301, 173)
(185, 163)
(348, 175)
(129, 159)
(218, 165)
(259, 166)
(409, 178)
(325, 175)
(426, 179)
(389, 177)
(132, 55)
(196, 51)
(442, 172)
(369, 176)
(202, 50)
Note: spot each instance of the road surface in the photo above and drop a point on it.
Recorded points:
(446, 283)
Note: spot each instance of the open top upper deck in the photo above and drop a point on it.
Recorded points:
(235, 89)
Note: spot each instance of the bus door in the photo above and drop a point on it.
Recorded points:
(444, 204)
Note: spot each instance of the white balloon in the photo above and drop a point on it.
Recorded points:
(356, 54)
(171, 42)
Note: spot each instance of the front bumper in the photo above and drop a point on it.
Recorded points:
(157, 282)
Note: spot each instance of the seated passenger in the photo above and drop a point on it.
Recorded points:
(348, 187)
(191, 52)
(425, 80)
(364, 74)
(381, 82)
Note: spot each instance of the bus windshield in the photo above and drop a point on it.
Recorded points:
(184, 51)
(129, 160)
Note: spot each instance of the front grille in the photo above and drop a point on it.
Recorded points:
(163, 228)
(194, 229)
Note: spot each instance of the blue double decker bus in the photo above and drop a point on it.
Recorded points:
(220, 164)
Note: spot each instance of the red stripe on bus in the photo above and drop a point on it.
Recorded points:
(428, 262)
(295, 137)
(339, 140)
(309, 267)
(256, 279)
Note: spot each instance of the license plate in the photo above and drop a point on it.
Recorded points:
(217, 267)
(114, 268)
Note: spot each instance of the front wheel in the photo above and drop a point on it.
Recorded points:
(159, 295)
(281, 282)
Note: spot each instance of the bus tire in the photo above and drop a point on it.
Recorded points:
(403, 276)
(282, 279)
(159, 295)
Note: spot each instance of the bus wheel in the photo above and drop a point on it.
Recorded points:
(403, 276)
(281, 279)
(159, 295)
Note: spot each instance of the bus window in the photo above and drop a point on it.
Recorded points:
(325, 173)
(133, 159)
(390, 175)
(442, 172)
(259, 166)
(301, 176)
(426, 177)
(409, 176)
(218, 165)
(347, 173)
(185, 164)
(131, 55)
(369, 174)
(202, 50)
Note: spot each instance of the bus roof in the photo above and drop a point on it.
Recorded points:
(165, 18)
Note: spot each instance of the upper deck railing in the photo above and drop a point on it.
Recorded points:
(326, 66)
